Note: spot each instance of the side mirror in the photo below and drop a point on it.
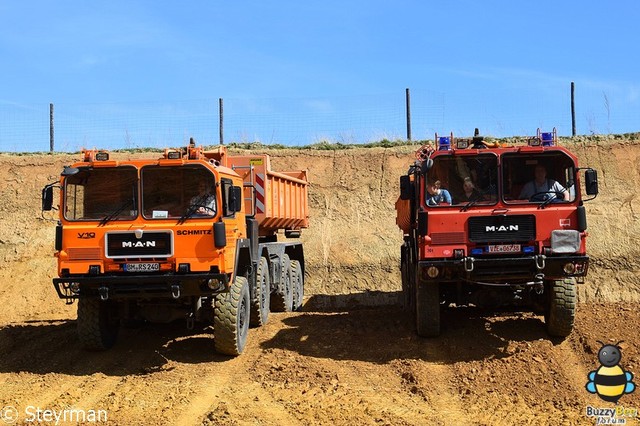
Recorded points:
(426, 165)
(235, 199)
(69, 171)
(591, 182)
(47, 198)
(406, 187)
(219, 235)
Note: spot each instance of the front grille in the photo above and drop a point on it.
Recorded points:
(502, 229)
(151, 244)
(447, 238)
(84, 253)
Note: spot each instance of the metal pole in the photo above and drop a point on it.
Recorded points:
(573, 109)
(408, 98)
(221, 109)
(51, 128)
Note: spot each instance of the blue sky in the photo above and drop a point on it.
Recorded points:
(74, 52)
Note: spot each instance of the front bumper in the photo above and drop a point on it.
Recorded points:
(141, 286)
(503, 270)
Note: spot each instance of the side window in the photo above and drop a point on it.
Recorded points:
(227, 184)
(75, 204)
(231, 198)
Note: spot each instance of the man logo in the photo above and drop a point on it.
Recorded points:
(131, 244)
(501, 228)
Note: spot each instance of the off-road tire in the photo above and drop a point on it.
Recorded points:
(97, 325)
(407, 295)
(260, 303)
(561, 307)
(297, 284)
(282, 298)
(428, 309)
(231, 318)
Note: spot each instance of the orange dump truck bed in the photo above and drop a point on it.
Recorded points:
(277, 199)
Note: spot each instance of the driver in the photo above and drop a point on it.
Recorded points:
(541, 188)
(204, 202)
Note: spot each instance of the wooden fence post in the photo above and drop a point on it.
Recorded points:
(221, 109)
(51, 138)
(573, 109)
(408, 100)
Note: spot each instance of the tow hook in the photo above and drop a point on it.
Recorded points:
(175, 291)
(104, 293)
(540, 264)
(468, 264)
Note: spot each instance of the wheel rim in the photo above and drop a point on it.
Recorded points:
(264, 294)
(243, 315)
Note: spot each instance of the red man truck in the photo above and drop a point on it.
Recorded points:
(489, 225)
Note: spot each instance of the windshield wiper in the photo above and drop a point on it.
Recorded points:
(115, 213)
(470, 204)
(194, 208)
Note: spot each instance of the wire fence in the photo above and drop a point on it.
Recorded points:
(305, 121)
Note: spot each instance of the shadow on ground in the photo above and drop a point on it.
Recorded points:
(43, 347)
(352, 327)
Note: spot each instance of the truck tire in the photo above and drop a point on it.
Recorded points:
(261, 301)
(428, 309)
(282, 298)
(97, 324)
(404, 278)
(297, 284)
(231, 318)
(561, 307)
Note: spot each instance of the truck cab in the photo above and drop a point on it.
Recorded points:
(491, 225)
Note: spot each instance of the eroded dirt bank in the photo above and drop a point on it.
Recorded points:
(341, 366)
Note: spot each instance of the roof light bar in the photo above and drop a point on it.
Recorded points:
(544, 138)
(443, 143)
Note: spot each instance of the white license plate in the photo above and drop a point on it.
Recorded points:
(141, 267)
(504, 248)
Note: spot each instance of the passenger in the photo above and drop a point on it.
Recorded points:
(469, 191)
(541, 188)
(437, 195)
(205, 202)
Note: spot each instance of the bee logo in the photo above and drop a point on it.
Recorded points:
(610, 381)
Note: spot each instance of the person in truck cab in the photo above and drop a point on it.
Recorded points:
(437, 195)
(469, 191)
(205, 202)
(541, 188)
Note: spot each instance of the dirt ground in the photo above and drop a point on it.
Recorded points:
(351, 357)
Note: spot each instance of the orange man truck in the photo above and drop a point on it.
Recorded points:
(191, 235)
(492, 226)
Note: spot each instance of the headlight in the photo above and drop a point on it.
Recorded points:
(433, 272)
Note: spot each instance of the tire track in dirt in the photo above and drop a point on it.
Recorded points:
(431, 381)
(228, 380)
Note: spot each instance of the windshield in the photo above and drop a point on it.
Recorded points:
(102, 194)
(462, 180)
(178, 192)
(539, 178)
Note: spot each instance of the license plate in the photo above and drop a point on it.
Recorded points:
(141, 267)
(504, 248)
